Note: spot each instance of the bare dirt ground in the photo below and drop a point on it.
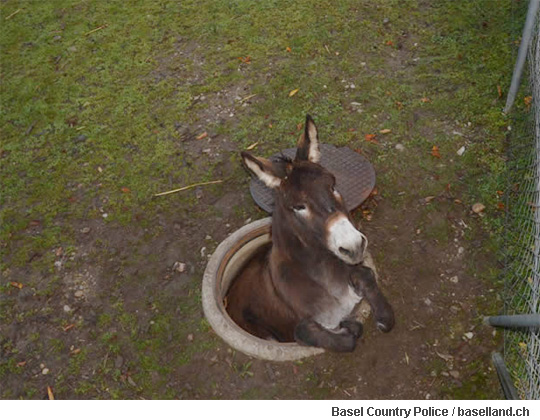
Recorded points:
(438, 349)
(116, 316)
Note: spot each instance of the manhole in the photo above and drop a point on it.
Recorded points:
(355, 176)
(229, 258)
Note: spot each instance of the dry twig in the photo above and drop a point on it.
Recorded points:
(94, 30)
(13, 14)
(187, 187)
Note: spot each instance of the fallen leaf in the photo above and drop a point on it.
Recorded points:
(499, 91)
(435, 152)
(500, 205)
(288, 49)
(500, 193)
(202, 136)
(425, 100)
(16, 284)
(75, 352)
(351, 130)
(125, 190)
(385, 131)
(399, 105)
(293, 92)
(528, 101)
(68, 327)
(478, 208)
(389, 43)
(247, 98)
(252, 146)
(21, 364)
(246, 59)
(372, 138)
(299, 126)
(50, 393)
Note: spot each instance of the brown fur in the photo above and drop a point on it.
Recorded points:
(282, 292)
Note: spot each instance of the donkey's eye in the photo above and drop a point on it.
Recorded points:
(299, 207)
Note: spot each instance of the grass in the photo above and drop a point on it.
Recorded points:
(102, 104)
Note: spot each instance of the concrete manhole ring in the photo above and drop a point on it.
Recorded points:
(229, 257)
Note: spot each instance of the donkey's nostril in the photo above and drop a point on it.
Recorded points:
(345, 251)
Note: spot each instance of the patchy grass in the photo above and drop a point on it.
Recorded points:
(105, 104)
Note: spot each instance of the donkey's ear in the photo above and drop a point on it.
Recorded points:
(262, 169)
(308, 144)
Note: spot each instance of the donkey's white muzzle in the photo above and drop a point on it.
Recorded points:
(345, 241)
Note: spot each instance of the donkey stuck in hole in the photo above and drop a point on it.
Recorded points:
(306, 285)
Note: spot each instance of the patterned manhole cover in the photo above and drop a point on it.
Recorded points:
(355, 176)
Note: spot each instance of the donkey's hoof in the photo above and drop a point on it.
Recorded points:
(354, 327)
(386, 324)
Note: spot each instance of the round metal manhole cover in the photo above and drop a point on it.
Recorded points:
(355, 176)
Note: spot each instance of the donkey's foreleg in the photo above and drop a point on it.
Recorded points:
(363, 280)
(310, 333)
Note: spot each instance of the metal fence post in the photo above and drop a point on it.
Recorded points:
(522, 53)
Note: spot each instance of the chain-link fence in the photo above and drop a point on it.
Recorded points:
(522, 249)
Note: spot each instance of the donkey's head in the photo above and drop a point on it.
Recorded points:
(307, 202)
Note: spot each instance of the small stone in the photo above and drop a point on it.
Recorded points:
(58, 264)
(468, 335)
(41, 366)
(179, 267)
(85, 230)
(446, 374)
(118, 362)
(454, 374)
(190, 337)
(478, 208)
(427, 301)
(45, 371)
(104, 215)
(67, 308)
(461, 151)
(203, 251)
(79, 294)
(131, 381)
(454, 279)
(400, 147)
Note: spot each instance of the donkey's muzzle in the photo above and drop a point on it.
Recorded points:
(345, 241)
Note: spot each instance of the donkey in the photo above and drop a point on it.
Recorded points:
(305, 285)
